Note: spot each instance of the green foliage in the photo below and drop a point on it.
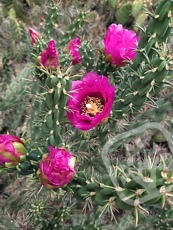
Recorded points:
(129, 13)
(15, 29)
(127, 188)
(51, 19)
(7, 224)
(157, 219)
(14, 47)
(6, 73)
(113, 3)
(148, 71)
(14, 100)
(16, 90)
(87, 54)
(52, 103)
(72, 30)
(123, 14)
(136, 8)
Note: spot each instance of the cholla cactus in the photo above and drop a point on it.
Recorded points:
(93, 96)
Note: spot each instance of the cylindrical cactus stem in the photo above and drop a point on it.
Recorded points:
(73, 28)
(146, 76)
(157, 31)
(29, 163)
(51, 19)
(131, 188)
(88, 57)
(52, 110)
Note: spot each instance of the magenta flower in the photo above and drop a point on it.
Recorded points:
(57, 168)
(120, 44)
(91, 101)
(73, 48)
(12, 148)
(34, 36)
(49, 56)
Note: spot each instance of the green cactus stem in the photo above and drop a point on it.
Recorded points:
(49, 110)
(51, 19)
(129, 188)
(87, 55)
(73, 28)
(146, 75)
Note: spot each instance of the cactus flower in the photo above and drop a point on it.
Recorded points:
(57, 168)
(120, 44)
(12, 148)
(34, 36)
(49, 56)
(90, 101)
(73, 48)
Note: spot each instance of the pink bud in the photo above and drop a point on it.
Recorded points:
(57, 168)
(49, 56)
(34, 36)
(73, 48)
(11, 149)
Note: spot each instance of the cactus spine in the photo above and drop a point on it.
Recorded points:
(146, 76)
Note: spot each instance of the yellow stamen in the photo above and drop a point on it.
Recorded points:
(91, 106)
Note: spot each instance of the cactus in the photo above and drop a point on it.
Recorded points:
(149, 68)
(51, 19)
(7, 69)
(87, 54)
(53, 99)
(141, 81)
(127, 188)
(131, 13)
(52, 104)
(158, 219)
(73, 28)
(124, 13)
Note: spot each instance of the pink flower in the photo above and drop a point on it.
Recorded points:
(120, 44)
(57, 168)
(34, 36)
(11, 149)
(49, 56)
(91, 101)
(73, 48)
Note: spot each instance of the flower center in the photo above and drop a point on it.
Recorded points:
(91, 106)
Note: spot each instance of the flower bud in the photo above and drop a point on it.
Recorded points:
(12, 148)
(57, 168)
(73, 48)
(34, 36)
(49, 56)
